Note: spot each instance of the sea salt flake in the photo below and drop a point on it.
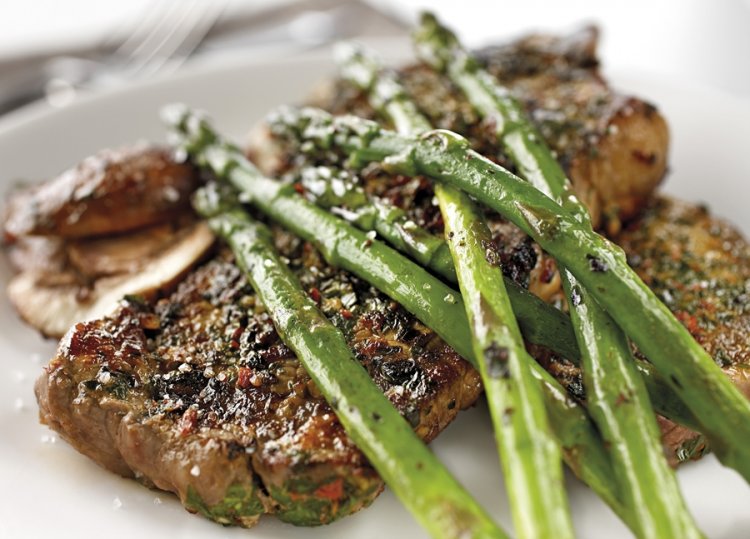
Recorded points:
(171, 194)
(116, 503)
(195, 471)
(157, 501)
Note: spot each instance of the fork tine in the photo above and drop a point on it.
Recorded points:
(151, 17)
(192, 41)
(182, 31)
(153, 37)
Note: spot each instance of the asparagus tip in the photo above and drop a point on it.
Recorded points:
(214, 198)
(176, 115)
(435, 44)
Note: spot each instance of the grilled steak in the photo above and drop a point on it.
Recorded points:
(614, 147)
(700, 267)
(142, 185)
(197, 395)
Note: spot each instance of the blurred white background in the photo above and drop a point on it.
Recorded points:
(699, 40)
(696, 39)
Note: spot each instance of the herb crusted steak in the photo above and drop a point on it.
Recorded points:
(198, 397)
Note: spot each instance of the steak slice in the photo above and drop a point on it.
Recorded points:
(614, 147)
(198, 395)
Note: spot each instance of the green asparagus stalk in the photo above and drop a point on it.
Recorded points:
(417, 477)
(529, 454)
(384, 92)
(440, 48)
(433, 302)
(337, 190)
(390, 98)
(540, 323)
(616, 396)
(721, 410)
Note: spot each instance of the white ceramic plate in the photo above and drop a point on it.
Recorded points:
(47, 489)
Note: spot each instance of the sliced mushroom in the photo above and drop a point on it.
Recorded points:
(53, 301)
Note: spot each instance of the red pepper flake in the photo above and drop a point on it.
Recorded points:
(188, 422)
(689, 321)
(548, 270)
(315, 295)
(299, 188)
(237, 333)
(331, 491)
(245, 377)
(346, 313)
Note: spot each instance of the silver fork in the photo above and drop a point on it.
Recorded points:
(168, 32)
(168, 35)
(165, 35)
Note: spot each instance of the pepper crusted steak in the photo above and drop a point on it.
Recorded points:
(198, 396)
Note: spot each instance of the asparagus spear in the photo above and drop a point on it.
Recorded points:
(540, 323)
(405, 282)
(528, 452)
(412, 471)
(721, 410)
(338, 191)
(616, 396)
